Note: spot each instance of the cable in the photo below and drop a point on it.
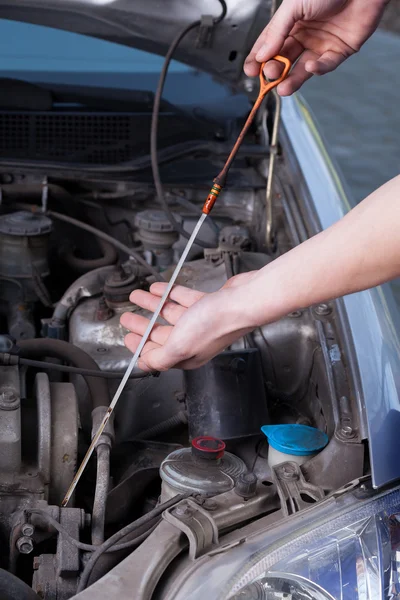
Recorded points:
(88, 547)
(154, 125)
(42, 364)
(147, 518)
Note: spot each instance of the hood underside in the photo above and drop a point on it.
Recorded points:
(151, 25)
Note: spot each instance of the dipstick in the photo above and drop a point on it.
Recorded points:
(218, 184)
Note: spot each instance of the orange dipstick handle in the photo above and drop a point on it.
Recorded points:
(265, 87)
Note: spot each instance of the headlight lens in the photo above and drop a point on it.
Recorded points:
(344, 548)
(360, 561)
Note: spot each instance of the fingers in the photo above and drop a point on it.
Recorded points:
(132, 341)
(153, 357)
(327, 62)
(159, 358)
(298, 74)
(138, 324)
(272, 39)
(180, 294)
(292, 49)
(171, 312)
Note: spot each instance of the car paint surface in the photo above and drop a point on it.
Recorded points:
(373, 317)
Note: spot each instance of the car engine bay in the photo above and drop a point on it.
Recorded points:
(190, 439)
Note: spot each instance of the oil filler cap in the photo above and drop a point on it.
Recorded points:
(208, 448)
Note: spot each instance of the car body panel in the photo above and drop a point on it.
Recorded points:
(152, 25)
(372, 315)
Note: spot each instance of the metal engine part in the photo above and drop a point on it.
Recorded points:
(40, 469)
(56, 576)
(100, 335)
(24, 264)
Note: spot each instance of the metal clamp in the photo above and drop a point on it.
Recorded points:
(196, 523)
(293, 488)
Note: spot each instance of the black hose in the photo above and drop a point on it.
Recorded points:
(108, 238)
(39, 347)
(124, 532)
(100, 493)
(152, 432)
(83, 265)
(82, 546)
(93, 230)
(12, 588)
(154, 125)
(42, 364)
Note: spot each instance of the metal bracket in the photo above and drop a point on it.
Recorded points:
(204, 37)
(196, 523)
(295, 493)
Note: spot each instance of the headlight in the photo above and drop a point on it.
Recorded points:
(344, 548)
(356, 560)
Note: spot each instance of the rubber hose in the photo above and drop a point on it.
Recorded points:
(152, 432)
(108, 238)
(12, 588)
(41, 347)
(84, 265)
(100, 494)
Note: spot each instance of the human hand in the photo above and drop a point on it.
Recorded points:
(320, 34)
(200, 325)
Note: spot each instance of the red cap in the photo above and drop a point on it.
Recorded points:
(208, 447)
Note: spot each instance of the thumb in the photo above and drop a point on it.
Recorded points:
(271, 40)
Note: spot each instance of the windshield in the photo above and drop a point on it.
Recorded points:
(50, 56)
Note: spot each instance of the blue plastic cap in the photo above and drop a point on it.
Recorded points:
(299, 440)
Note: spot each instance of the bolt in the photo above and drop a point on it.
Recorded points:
(183, 510)
(295, 314)
(248, 85)
(8, 397)
(28, 530)
(323, 310)
(210, 504)
(289, 472)
(24, 545)
(348, 431)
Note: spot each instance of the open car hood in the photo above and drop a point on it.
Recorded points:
(151, 25)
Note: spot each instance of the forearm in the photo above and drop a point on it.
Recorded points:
(361, 251)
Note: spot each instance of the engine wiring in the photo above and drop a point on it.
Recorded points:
(155, 121)
(81, 545)
(127, 530)
(42, 364)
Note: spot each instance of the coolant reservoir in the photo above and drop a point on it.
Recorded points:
(293, 443)
(205, 468)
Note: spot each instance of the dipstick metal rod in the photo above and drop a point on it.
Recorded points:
(134, 360)
(218, 184)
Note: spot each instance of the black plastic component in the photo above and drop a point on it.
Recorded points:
(246, 485)
(226, 398)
